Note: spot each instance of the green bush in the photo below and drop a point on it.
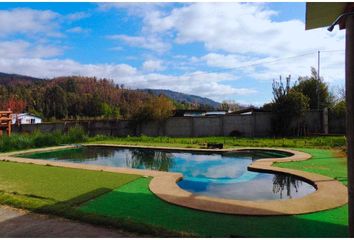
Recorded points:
(46, 139)
(75, 135)
(40, 139)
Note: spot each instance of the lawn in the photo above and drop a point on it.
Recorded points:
(139, 204)
(323, 162)
(51, 185)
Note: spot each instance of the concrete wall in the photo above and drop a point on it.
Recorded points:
(259, 124)
(243, 124)
(336, 124)
(179, 127)
(314, 121)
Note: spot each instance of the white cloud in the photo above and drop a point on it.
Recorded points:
(78, 30)
(29, 22)
(226, 61)
(269, 68)
(238, 34)
(153, 66)
(54, 67)
(117, 48)
(23, 49)
(139, 9)
(206, 84)
(239, 28)
(147, 42)
(77, 16)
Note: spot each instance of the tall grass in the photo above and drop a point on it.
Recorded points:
(40, 139)
(301, 142)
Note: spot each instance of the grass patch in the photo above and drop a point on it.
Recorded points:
(324, 162)
(229, 142)
(139, 204)
(57, 184)
(59, 191)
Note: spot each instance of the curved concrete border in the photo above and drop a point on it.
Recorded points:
(330, 193)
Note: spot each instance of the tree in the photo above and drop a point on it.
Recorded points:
(289, 106)
(15, 104)
(93, 106)
(339, 109)
(315, 89)
(110, 111)
(55, 103)
(155, 108)
(229, 106)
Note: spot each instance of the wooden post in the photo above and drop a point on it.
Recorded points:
(349, 89)
(5, 122)
(8, 130)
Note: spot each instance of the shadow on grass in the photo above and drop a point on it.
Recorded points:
(69, 210)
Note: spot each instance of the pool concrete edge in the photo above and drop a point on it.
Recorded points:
(330, 193)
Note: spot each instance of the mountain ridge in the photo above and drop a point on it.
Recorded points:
(183, 97)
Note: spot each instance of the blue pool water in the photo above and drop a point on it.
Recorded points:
(222, 175)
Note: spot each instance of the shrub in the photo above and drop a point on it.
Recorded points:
(46, 139)
(39, 139)
(339, 110)
(75, 135)
(289, 109)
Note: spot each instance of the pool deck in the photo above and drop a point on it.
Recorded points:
(329, 193)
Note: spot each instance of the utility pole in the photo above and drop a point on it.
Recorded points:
(318, 77)
(318, 63)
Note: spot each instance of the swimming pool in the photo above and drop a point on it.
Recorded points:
(214, 174)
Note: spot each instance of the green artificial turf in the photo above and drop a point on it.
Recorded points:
(58, 184)
(323, 162)
(134, 201)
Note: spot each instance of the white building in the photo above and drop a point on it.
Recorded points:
(25, 118)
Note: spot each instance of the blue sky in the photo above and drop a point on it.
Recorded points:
(229, 51)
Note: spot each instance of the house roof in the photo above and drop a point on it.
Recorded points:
(323, 14)
(24, 115)
(246, 110)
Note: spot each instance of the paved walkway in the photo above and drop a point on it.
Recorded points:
(20, 223)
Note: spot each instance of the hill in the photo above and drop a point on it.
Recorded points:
(14, 79)
(77, 97)
(184, 98)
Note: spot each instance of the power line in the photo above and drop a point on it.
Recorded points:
(340, 50)
(285, 58)
(274, 61)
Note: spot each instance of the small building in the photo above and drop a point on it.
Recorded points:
(188, 113)
(246, 111)
(197, 113)
(25, 118)
(215, 113)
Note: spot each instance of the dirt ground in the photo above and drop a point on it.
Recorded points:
(20, 223)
